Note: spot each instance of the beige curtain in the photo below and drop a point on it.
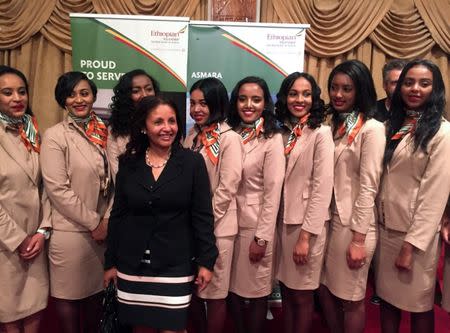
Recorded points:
(35, 35)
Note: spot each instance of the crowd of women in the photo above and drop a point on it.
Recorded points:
(191, 227)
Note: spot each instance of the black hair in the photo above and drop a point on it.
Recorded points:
(317, 112)
(122, 106)
(11, 70)
(365, 94)
(216, 98)
(270, 123)
(430, 121)
(67, 82)
(391, 65)
(139, 143)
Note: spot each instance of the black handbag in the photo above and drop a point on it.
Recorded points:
(110, 322)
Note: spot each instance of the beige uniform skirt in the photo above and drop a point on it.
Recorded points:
(76, 265)
(446, 291)
(220, 282)
(407, 290)
(24, 288)
(250, 280)
(343, 282)
(298, 277)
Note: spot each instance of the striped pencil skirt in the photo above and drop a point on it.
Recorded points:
(159, 301)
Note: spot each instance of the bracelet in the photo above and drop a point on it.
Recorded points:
(357, 245)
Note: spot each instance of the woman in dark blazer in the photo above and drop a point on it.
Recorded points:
(161, 225)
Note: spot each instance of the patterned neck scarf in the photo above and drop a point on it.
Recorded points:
(94, 128)
(351, 126)
(209, 137)
(295, 134)
(27, 128)
(409, 124)
(253, 130)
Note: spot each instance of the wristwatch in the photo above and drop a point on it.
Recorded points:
(45, 232)
(260, 241)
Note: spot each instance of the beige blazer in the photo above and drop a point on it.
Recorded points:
(308, 183)
(72, 168)
(24, 283)
(357, 172)
(259, 193)
(115, 147)
(224, 178)
(415, 188)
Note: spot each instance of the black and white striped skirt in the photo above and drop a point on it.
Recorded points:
(159, 302)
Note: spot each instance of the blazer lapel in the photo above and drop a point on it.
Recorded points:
(298, 151)
(340, 147)
(403, 144)
(82, 143)
(16, 155)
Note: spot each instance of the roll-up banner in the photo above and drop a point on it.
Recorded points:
(231, 51)
(107, 46)
(177, 52)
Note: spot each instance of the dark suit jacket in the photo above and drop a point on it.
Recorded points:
(171, 217)
(382, 113)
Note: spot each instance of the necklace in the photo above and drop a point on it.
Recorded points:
(147, 160)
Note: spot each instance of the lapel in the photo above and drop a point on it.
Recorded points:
(402, 145)
(340, 147)
(251, 145)
(82, 144)
(172, 170)
(298, 149)
(19, 158)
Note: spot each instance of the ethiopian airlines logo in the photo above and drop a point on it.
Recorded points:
(167, 35)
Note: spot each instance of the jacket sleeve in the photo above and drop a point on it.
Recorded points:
(46, 211)
(113, 152)
(57, 183)
(273, 177)
(202, 219)
(12, 235)
(230, 176)
(322, 183)
(370, 170)
(432, 196)
(119, 211)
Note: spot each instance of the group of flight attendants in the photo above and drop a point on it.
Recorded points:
(296, 191)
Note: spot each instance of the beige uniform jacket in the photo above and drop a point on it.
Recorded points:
(115, 147)
(224, 178)
(357, 171)
(73, 168)
(308, 183)
(259, 193)
(24, 283)
(415, 188)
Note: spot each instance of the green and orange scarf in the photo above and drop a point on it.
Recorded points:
(253, 130)
(27, 128)
(295, 134)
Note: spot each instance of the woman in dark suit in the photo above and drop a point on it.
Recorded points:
(161, 225)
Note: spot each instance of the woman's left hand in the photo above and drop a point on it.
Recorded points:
(256, 252)
(405, 257)
(34, 247)
(204, 276)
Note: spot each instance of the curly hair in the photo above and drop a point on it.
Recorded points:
(430, 121)
(317, 111)
(11, 70)
(138, 140)
(270, 122)
(122, 106)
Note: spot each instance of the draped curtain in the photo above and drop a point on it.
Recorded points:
(35, 35)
